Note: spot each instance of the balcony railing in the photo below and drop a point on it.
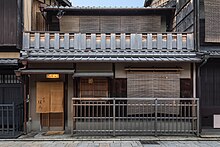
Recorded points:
(113, 41)
(136, 116)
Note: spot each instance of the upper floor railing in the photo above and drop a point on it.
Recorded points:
(158, 41)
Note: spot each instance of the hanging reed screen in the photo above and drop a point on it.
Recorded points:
(153, 85)
(212, 20)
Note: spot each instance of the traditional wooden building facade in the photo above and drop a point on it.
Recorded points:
(11, 99)
(100, 70)
(13, 90)
(208, 23)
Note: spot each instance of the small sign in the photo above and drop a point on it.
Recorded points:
(53, 76)
(90, 81)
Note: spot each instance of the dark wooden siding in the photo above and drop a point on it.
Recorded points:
(119, 88)
(184, 16)
(37, 19)
(110, 24)
(11, 23)
(186, 88)
(53, 23)
(210, 91)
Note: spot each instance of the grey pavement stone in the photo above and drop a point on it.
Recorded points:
(108, 144)
(115, 144)
(126, 144)
(136, 144)
(104, 145)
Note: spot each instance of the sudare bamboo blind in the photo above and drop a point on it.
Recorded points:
(152, 85)
(212, 20)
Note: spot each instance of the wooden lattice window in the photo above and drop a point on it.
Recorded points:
(93, 87)
(8, 79)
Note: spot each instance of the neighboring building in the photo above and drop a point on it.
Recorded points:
(104, 57)
(207, 43)
(11, 95)
(161, 3)
(12, 89)
(209, 70)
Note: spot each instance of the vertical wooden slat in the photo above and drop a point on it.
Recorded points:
(112, 41)
(179, 41)
(71, 41)
(26, 40)
(133, 41)
(164, 41)
(149, 41)
(47, 41)
(37, 40)
(56, 41)
(76, 39)
(123, 41)
(169, 41)
(159, 41)
(79, 41)
(83, 41)
(174, 40)
(139, 41)
(66, 41)
(93, 41)
(103, 41)
(190, 41)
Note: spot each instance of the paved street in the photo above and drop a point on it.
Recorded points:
(109, 144)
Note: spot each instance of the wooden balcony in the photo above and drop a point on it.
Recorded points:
(113, 41)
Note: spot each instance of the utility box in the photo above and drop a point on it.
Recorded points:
(216, 121)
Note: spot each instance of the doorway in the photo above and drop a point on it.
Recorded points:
(50, 105)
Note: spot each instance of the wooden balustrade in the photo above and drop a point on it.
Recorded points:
(144, 41)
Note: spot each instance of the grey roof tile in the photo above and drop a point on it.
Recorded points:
(8, 61)
(117, 55)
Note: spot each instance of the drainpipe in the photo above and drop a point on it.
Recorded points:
(23, 81)
(198, 74)
(25, 106)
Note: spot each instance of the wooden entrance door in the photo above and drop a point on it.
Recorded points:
(210, 92)
(50, 104)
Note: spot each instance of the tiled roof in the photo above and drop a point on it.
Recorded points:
(117, 55)
(105, 7)
(213, 53)
(8, 61)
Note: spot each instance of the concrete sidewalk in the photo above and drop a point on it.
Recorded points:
(40, 136)
(40, 139)
(109, 144)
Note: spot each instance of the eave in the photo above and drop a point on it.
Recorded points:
(64, 3)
